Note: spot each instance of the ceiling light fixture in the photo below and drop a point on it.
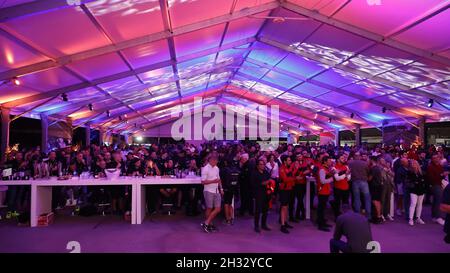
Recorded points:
(64, 97)
(91, 107)
(430, 103)
(383, 110)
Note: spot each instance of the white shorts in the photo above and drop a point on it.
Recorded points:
(212, 200)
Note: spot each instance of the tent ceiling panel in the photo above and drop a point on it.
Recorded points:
(337, 98)
(48, 79)
(386, 17)
(281, 79)
(14, 55)
(337, 77)
(380, 58)
(198, 40)
(9, 92)
(197, 10)
(157, 75)
(58, 32)
(149, 53)
(100, 66)
(310, 89)
(290, 31)
(324, 7)
(300, 65)
(125, 19)
(432, 31)
(418, 73)
(420, 103)
(333, 44)
(267, 54)
(252, 70)
(244, 28)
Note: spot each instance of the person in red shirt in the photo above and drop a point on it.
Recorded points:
(301, 170)
(341, 177)
(287, 182)
(323, 179)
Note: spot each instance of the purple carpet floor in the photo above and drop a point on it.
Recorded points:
(179, 233)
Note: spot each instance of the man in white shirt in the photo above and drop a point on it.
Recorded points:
(212, 192)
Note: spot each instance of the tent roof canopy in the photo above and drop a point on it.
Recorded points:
(327, 64)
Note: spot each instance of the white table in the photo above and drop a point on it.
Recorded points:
(141, 199)
(41, 191)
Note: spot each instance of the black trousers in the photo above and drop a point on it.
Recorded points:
(299, 194)
(339, 198)
(246, 200)
(261, 208)
(323, 199)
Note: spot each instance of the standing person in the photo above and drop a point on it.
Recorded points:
(245, 186)
(212, 192)
(302, 170)
(230, 184)
(356, 229)
(445, 207)
(401, 174)
(435, 174)
(376, 187)
(387, 195)
(287, 181)
(360, 175)
(324, 178)
(342, 175)
(264, 187)
(417, 188)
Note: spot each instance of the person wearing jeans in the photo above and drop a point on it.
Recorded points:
(435, 174)
(358, 187)
(360, 175)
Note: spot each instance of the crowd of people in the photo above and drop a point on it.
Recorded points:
(380, 182)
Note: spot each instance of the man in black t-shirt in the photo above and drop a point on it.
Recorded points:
(261, 178)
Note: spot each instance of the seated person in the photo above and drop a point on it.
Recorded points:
(135, 168)
(167, 192)
(99, 170)
(356, 228)
(78, 164)
(151, 168)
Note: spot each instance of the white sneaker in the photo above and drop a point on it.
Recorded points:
(420, 221)
(390, 218)
(383, 219)
(411, 222)
(440, 221)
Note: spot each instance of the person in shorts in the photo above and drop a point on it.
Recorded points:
(212, 192)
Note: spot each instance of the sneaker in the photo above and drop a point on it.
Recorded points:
(205, 227)
(439, 220)
(390, 218)
(284, 229)
(288, 226)
(411, 222)
(293, 220)
(383, 219)
(232, 221)
(227, 222)
(8, 215)
(420, 221)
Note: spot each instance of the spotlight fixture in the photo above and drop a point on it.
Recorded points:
(108, 113)
(315, 116)
(329, 120)
(299, 126)
(91, 107)
(383, 110)
(120, 118)
(64, 97)
(430, 103)
(135, 125)
(144, 129)
(352, 115)
(126, 121)
(15, 81)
